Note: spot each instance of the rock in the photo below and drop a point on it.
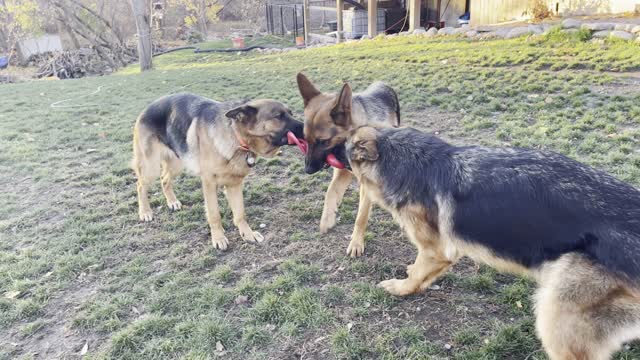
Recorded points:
(636, 29)
(624, 27)
(485, 28)
(570, 24)
(598, 26)
(471, 33)
(241, 300)
(391, 36)
(365, 37)
(447, 346)
(488, 35)
(570, 31)
(432, 32)
(404, 33)
(536, 29)
(446, 31)
(621, 35)
(517, 32)
(601, 34)
(502, 32)
(419, 32)
(458, 31)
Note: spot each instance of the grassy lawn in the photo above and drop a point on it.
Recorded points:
(79, 273)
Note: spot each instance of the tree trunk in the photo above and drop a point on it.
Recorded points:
(202, 17)
(141, 11)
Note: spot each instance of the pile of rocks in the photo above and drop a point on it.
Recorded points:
(603, 30)
(599, 30)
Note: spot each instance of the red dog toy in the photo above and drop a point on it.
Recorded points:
(304, 147)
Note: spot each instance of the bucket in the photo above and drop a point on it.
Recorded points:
(238, 42)
(300, 41)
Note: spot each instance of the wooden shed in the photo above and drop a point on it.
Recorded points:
(485, 12)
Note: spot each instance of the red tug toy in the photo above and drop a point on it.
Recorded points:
(302, 145)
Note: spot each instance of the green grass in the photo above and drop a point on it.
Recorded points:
(83, 266)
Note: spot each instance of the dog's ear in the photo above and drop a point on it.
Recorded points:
(365, 150)
(243, 114)
(307, 90)
(341, 112)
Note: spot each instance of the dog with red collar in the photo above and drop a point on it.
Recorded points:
(218, 141)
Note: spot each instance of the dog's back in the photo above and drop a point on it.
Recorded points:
(378, 104)
(169, 118)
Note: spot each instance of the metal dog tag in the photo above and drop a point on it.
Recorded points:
(251, 159)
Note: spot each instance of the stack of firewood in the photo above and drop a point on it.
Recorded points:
(76, 63)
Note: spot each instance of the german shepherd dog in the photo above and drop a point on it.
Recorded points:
(328, 119)
(217, 141)
(572, 228)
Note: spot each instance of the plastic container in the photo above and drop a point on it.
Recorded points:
(238, 42)
(356, 23)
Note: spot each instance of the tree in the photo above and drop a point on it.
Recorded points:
(199, 12)
(141, 12)
(87, 20)
(18, 18)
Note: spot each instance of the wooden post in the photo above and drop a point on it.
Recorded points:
(340, 28)
(142, 14)
(414, 14)
(372, 21)
(305, 12)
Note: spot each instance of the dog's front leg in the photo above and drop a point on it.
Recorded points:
(236, 202)
(210, 189)
(333, 198)
(356, 245)
(421, 274)
(430, 263)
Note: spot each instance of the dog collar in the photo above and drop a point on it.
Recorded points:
(251, 157)
(243, 144)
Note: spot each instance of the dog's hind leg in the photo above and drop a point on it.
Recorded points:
(333, 198)
(171, 167)
(356, 245)
(583, 313)
(236, 203)
(146, 164)
(210, 190)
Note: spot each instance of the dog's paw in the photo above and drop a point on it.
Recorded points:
(220, 242)
(252, 236)
(145, 215)
(327, 222)
(356, 248)
(397, 287)
(174, 205)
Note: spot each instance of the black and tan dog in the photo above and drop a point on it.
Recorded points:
(572, 228)
(328, 119)
(216, 141)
